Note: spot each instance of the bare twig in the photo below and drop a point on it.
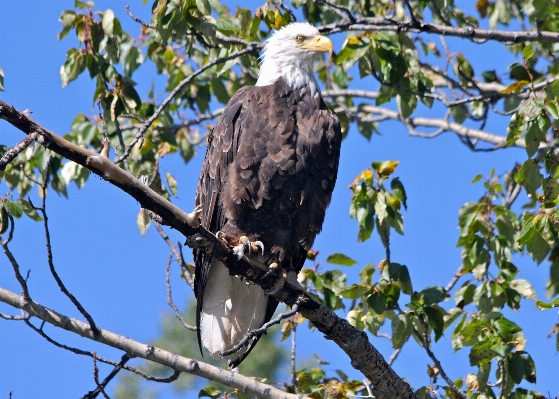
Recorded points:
(176, 253)
(426, 343)
(503, 385)
(100, 388)
(138, 20)
(280, 4)
(10, 317)
(342, 11)
(456, 276)
(170, 298)
(14, 152)
(394, 356)
(22, 281)
(77, 351)
(93, 394)
(50, 261)
(261, 330)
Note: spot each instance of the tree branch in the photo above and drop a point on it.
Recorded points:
(148, 352)
(364, 356)
(14, 152)
(170, 297)
(379, 24)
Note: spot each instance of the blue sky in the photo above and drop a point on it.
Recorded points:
(119, 276)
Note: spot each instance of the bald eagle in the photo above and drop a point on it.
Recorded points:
(268, 175)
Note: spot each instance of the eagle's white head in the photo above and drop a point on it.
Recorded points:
(290, 53)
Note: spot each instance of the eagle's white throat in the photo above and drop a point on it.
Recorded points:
(282, 57)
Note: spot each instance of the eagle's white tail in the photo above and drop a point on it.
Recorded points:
(230, 310)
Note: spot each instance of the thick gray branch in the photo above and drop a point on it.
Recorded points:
(385, 24)
(148, 352)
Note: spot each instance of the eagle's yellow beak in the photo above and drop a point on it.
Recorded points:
(319, 43)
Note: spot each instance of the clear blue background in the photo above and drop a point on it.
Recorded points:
(119, 276)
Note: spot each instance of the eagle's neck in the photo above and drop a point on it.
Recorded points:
(297, 74)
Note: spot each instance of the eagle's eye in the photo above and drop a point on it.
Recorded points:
(300, 39)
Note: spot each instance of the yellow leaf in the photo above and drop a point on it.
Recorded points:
(385, 168)
(515, 87)
(367, 174)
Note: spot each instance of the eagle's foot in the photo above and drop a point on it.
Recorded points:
(194, 216)
(282, 278)
(271, 268)
(246, 245)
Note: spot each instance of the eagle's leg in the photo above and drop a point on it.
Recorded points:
(245, 244)
(281, 278)
(273, 266)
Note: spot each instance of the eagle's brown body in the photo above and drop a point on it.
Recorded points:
(268, 174)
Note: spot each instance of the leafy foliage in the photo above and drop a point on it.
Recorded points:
(204, 52)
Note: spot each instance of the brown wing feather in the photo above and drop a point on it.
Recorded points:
(269, 172)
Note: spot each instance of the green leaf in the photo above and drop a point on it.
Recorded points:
(406, 104)
(552, 109)
(4, 220)
(14, 208)
(552, 286)
(340, 259)
(528, 51)
(228, 24)
(533, 139)
(462, 68)
(434, 294)
(204, 7)
(435, 318)
(83, 4)
(529, 176)
(398, 188)
(341, 78)
(29, 210)
(354, 48)
(465, 294)
(404, 280)
(401, 330)
(481, 353)
(477, 178)
(391, 292)
(219, 90)
(459, 112)
(209, 392)
(377, 302)
(506, 328)
(353, 292)
(490, 76)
